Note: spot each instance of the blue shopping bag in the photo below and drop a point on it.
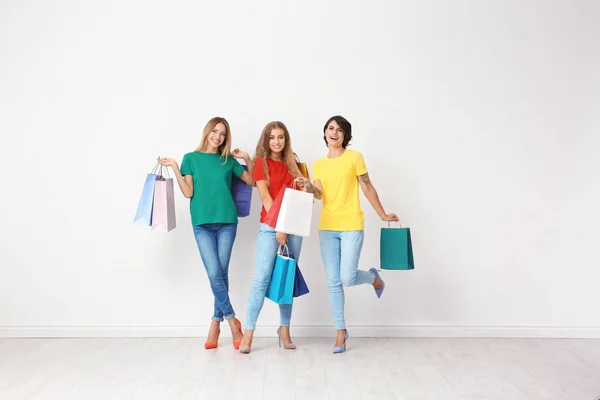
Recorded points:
(143, 214)
(242, 195)
(281, 287)
(300, 286)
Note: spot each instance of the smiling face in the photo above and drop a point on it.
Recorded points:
(334, 135)
(277, 141)
(337, 132)
(216, 137)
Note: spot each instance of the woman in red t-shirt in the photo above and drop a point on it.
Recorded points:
(274, 167)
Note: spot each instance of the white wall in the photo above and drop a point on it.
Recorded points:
(478, 121)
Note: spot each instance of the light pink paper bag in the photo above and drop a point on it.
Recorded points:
(163, 212)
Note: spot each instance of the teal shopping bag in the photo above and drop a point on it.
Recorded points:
(396, 249)
(281, 287)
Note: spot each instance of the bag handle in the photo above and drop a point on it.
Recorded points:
(389, 223)
(167, 171)
(155, 168)
(158, 170)
(294, 186)
(280, 250)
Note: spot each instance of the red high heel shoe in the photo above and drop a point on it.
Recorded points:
(236, 344)
(208, 345)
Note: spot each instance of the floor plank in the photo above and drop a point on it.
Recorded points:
(371, 368)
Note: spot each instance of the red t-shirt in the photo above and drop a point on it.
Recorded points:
(278, 176)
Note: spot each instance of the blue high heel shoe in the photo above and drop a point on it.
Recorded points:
(378, 292)
(337, 350)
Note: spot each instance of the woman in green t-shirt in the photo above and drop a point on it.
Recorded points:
(205, 178)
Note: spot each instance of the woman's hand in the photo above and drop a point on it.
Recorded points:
(301, 183)
(186, 183)
(237, 153)
(307, 186)
(281, 238)
(390, 218)
(168, 162)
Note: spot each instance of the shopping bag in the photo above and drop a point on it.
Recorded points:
(302, 167)
(163, 212)
(295, 214)
(300, 286)
(143, 214)
(281, 287)
(396, 249)
(242, 195)
(273, 213)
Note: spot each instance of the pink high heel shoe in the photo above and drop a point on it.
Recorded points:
(287, 346)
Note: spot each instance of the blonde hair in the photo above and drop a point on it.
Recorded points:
(263, 149)
(225, 148)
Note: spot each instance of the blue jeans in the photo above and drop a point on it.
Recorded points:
(340, 251)
(266, 253)
(215, 242)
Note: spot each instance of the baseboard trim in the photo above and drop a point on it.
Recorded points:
(305, 331)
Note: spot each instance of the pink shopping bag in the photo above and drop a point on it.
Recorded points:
(163, 211)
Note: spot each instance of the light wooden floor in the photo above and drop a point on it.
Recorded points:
(180, 368)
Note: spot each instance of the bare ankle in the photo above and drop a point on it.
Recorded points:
(377, 283)
(247, 337)
(233, 324)
(284, 332)
(341, 335)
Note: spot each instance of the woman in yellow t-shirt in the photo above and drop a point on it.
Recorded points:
(341, 227)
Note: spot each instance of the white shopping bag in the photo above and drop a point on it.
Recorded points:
(295, 214)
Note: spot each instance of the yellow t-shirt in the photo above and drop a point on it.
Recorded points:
(341, 204)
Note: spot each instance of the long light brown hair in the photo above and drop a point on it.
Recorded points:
(263, 149)
(225, 148)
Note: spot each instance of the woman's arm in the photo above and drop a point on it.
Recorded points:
(371, 195)
(186, 183)
(265, 196)
(316, 188)
(267, 202)
(246, 176)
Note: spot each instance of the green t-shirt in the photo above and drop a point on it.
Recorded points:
(212, 201)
